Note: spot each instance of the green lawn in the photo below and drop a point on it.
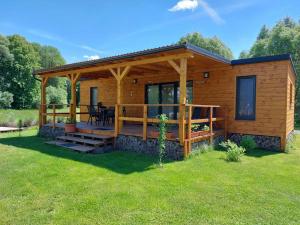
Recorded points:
(41, 184)
(11, 116)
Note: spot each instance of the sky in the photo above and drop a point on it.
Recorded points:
(91, 29)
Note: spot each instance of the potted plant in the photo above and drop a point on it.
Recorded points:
(197, 130)
(70, 125)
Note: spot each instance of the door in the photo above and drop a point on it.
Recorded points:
(94, 96)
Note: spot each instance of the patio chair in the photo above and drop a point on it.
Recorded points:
(92, 114)
(109, 115)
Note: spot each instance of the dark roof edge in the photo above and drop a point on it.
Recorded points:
(138, 53)
(262, 59)
(207, 53)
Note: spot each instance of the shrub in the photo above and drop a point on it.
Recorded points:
(29, 122)
(233, 151)
(200, 150)
(248, 142)
(56, 96)
(6, 98)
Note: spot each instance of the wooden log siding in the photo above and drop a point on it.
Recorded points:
(218, 89)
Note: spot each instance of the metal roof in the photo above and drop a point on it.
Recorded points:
(186, 46)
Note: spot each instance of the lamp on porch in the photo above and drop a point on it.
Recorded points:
(205, 75)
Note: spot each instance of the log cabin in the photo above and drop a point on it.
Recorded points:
(206, 98)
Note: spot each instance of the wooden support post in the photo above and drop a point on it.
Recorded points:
(211, 125)
(43, 109)
(54, 115)
(225, 123)
(189, 129)
(116, 120)
(145, 115)
(182, 70)
(73, 79)
(182, 99)
(119, 75)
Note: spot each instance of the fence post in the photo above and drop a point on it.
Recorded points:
(116, 120)
(54, 114)
(225, 123)
(211, 125)
(145, 115)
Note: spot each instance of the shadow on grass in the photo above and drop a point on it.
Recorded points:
(119, 162)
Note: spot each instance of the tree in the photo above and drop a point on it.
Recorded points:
(50, 57)
(264, 33)
(6, 59)
(21, 82)
(283, 38)
(6, 99)
(213, 44)
(56, 96)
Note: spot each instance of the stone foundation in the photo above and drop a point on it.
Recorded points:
(265, 142)
(50, 132)
(150, 147)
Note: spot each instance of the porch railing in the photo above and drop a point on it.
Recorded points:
(216, 114)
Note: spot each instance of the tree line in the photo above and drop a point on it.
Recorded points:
(18, 87)
(18, 59)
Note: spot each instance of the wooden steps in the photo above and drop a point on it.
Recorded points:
(82, 142)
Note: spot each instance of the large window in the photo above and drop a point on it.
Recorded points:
(245, 97)
(165, 93)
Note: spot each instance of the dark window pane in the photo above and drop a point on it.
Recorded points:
(245, 105)
(153, 98)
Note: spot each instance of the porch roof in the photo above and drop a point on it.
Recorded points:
(169, 49)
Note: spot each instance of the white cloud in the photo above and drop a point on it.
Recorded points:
(44, 35)
(91, 57)
(91, 49)
(212, 13)
(193, 4)
(184, 5)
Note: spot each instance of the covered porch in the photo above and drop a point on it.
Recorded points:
(140, 86)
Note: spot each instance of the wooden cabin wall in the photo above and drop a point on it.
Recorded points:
(218, 89)
(290, 106)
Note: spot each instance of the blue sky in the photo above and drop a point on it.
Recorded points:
(91, 29)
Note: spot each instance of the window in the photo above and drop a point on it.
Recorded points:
(245, 98)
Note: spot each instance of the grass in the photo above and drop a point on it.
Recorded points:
(41, 184)
(12, 115)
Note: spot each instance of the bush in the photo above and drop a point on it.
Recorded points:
(233, 151)
(56, 96)
(6, 98)
(248, 142)
(200, 150)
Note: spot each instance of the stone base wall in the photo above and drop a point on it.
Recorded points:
(50, 132)
(150, 147)
(265, 142)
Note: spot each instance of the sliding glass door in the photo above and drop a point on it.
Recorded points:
(165, 93)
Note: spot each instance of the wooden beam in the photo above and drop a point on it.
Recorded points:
(125, 72)
(114, 73)
(174, 65)
(122, 64)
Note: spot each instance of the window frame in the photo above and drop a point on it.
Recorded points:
(237, 102)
